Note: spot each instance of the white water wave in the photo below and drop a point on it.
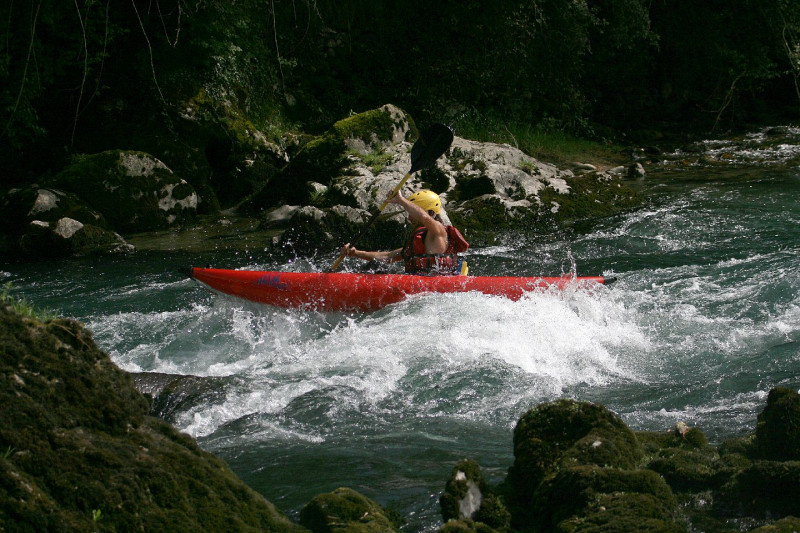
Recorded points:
(376, 363)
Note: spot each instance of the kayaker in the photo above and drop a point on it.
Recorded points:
(433, 246)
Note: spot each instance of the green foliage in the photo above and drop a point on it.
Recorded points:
(547, 140)
(9, 451)
(22, 307)
(376, 159)
(92, 76)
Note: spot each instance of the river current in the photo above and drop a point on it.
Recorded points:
(703, 321)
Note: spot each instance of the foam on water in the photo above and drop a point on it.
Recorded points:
(376, 363)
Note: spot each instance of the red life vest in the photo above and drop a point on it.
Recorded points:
(417, 261)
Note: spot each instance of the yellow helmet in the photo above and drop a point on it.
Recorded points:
(427, 200)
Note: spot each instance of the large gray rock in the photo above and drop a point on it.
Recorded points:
(133, 190)
(41, 222)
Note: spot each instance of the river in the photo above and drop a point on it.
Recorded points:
(703, 321)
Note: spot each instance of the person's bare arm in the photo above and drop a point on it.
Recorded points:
(436, 237)
(387, 256)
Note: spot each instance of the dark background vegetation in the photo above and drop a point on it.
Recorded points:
(83, 76)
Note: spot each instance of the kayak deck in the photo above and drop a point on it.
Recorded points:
(342, 291)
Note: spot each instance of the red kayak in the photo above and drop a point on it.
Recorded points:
(335, 291)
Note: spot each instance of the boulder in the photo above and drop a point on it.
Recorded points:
(68, 237)
(591, 497)
(763, 490)
(80, 452)
(778, 427)
(132, 190)
(567, 433)
(48, 223)
(360, 140)
(20, 207)
(345, 510)
(467, 497)
(485, 187)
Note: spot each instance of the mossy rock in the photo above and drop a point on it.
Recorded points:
(81, 453)
(345, 510)
(171, 394)
(591, 196)
(778, 426)
(133, 190)
(623, 513)
(765, 489)
(790, 524)
(690, 470)
(314, 230)
(325, 157)
(467, 526)
(567, 432)
(68, 237)
(467, 496)
(22, 206)
(569, 498)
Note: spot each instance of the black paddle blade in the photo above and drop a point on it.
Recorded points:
(430, 146)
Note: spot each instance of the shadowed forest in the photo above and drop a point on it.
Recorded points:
(91, 75)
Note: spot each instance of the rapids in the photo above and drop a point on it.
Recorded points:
(703, 321)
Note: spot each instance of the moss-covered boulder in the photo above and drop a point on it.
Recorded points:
(41, 222)
(20, 207)
(568, 433)
(593, 498)
(313, 230)
(78, 451)
(778, 427)
(345, 510)
(468, 497)
(330, 156)
(496, 186)
(466, 526)
(68, 237)
(790, 524)
(133, 190)
(685, 460)
(171, 394)
(766, 489)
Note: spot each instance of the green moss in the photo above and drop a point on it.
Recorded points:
(623, 513)
(345, 510)
(590, 197)
(766, 488)
(125, 186)
(376, 123)
(790, 524)
(82, 442)
(466, 526)
(689, 470)
(376, 159)
(574, 494)
(778, 427)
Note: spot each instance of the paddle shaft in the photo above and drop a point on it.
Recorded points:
(371, 220)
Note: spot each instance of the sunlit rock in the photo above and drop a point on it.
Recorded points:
(133, 190)
(345, 510)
